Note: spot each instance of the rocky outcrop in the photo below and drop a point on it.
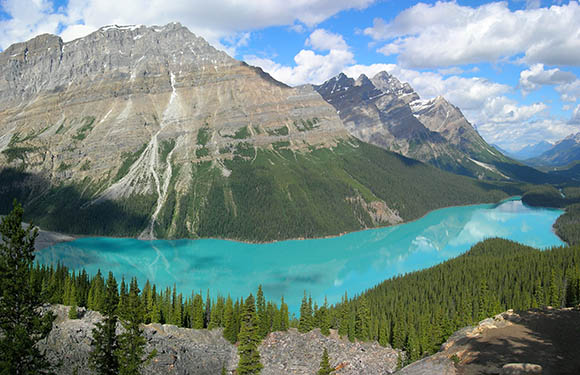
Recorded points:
(390, 114)
(540, 341)
(295, 353)
(188, 351)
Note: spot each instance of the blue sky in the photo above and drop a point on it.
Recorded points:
(512, 67)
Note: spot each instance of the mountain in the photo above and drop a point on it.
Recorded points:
(562, 153)
(151, 132)
(390, 114)
(531, 151)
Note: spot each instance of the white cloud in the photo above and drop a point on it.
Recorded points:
(503, 110)
(575, 120)
(323, 40)
(536, 76)
(569, 92)
(446, 34)
(212, 20)
(512, 136)
(310, 67)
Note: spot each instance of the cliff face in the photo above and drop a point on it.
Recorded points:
(150, 132)
(390, 114)
(200, 352)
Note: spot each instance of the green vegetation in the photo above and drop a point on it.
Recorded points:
(249, 340)
(245, 321)
(86, 127)
(14, 151)
(568, 225)
(418, 311)
(203, 136)
(311, 190)
(306, 125)
(325, 368)
(242, 133)
(278, 131)
(22, 324)
(165, 148)
(86, 165)
(63, 167)
(202, 152)
(128, 159)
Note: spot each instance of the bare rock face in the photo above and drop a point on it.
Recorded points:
(537, 341)
(188, 351)
(118, 112)
(387, 113)
(295, 353)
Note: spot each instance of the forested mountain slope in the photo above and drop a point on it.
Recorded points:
(151, 132)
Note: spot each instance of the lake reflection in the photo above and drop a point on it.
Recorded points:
(353, 262)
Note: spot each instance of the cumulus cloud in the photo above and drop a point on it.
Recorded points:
(569, 92)
(536, 76)
(446, 34)
(511, 136)
(310, 67)
(575, 120)
(212, 20)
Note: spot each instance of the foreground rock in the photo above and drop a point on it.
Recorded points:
(189, 351)
(541, 341)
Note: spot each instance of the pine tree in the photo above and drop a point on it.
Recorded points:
(197, 312)
(21, 323)
(363, 317)
(73, 312)
(103, 358)
(249, 362)
(284, 318)
(325, 368)
(230, 328)
(263, 323)
(305, 323)
(555, 295)
(324, 319)
(131, 350)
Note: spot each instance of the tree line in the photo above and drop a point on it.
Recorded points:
(415, 312)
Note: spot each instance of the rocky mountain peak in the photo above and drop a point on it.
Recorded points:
(362, 80)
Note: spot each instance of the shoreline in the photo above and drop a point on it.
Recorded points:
(48, 238)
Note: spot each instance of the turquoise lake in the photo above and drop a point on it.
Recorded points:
(323, 267)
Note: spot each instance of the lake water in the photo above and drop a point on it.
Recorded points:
(323, 267)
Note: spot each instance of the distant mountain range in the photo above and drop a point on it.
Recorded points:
(527, 152)
(565, 152)
(151, 132)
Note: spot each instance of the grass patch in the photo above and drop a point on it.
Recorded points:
(82, 132)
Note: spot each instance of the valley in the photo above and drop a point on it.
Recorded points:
(171, 182)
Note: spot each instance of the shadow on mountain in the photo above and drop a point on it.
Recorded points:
(68, 209)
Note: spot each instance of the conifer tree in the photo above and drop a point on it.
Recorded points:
(73, 312)
(249, 362)
(230, 328)
(103, 358)
(284, 318)
(305, 323)
(197, 312)
(263, 323)
(555, 299)
(131, 350)
(21, 323)
(324, 318)
(325, 368)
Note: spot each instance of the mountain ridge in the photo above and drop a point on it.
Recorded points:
(390, 114)
(151, 132)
